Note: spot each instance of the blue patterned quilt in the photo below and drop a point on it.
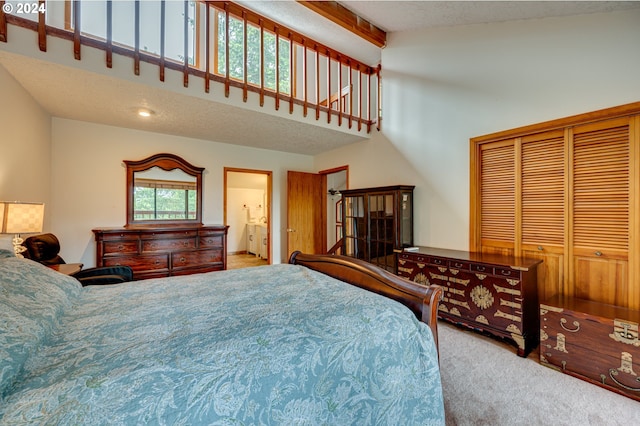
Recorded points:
(273, 345)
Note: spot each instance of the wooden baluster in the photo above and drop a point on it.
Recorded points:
(76, 29)
(185, 68)
(245, 57)
(339, 91)
(136, 54)
(304, 81)
(162, 37)
(359, 97)
(226, 49)
(368, 99)
(317, 82)
(277, 68)
(379, 111)
(42, 34)
(291, 47)
(261, 62)
(3, 23)
(207, 48)
(350, 82)
(328, 85)
(109, 34)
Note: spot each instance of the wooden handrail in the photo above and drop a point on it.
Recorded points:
(337, 246)
(332, 57)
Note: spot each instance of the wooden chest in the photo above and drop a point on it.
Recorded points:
(592, 341)
(153, 251)
(491, 293)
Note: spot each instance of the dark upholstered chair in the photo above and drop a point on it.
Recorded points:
(44, 249)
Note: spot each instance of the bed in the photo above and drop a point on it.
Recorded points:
(280, 344)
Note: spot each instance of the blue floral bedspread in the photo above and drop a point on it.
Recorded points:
(273, 345)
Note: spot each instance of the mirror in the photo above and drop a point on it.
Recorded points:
(163, 189)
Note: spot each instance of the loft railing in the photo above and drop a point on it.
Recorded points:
(218, 41)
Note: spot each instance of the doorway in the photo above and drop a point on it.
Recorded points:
(247, 211)
(337, 181)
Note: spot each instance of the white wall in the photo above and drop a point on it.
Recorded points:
(89, 183)
(24, 145)
(443, 86)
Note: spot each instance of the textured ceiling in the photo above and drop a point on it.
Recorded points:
(80, 95)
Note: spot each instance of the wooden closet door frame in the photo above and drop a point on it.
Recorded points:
(632, 111)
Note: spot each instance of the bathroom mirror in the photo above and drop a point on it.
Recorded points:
(163, 189)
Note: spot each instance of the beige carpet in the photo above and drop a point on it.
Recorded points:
(486, 383)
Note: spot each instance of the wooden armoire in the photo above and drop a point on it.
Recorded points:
(567, 192)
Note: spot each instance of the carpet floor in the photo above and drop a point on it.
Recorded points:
(485, 383)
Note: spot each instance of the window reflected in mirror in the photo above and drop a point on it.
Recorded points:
(164, 195)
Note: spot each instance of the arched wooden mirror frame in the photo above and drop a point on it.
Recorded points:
(165, 162)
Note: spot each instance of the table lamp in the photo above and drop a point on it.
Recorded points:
(20, 218)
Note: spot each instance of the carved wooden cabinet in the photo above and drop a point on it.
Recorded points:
(161, 251)
(592, 341)
(491, 293)
(377, 222)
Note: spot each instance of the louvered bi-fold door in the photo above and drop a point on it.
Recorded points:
(599, 238)
(497, 202)
(542, 207)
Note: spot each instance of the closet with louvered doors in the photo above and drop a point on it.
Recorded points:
(599, 203)
(566, 192)
(542, 190)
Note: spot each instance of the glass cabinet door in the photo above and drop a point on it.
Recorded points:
(381, 223)
(406, 219)
(355, 232)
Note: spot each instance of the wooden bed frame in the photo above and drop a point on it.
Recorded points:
(422, 300)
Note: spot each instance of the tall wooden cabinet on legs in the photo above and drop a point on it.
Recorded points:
(377, 223)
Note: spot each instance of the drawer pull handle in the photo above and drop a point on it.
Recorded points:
(576, 324)
(182, 259)
(540, 248)
(507, 273)
(120, 247)
(481, 268)
(598, 253)
(614, 372)
(157, 262)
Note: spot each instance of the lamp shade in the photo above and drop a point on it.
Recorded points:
(21, 218)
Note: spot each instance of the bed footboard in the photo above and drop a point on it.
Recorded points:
(422, 300)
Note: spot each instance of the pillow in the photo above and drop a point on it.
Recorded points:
(32, 300)
(4, 253)
(6, 244)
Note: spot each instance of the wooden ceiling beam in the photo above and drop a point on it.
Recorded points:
(342, 16)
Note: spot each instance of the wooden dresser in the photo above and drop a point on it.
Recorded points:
(592, 341)
(486, 292)
(162, 251)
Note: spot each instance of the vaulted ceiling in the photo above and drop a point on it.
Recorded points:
(76, 94)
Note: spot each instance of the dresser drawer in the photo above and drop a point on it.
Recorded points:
(161, 235)
(119, 236)
(483, 269)
(457, 264)
(168, 244)
(124, 246)
(187, 259)
(139, 262)
(437, 261)
(211, 240)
